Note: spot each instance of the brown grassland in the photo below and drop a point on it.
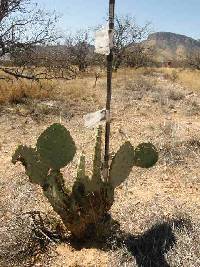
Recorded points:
(158, 209)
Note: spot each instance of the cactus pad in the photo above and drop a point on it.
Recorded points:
(35, 169)
(97, 164)
(82, 181)
(56, 146)
(81, 168)
(146, 155)
(122, 164)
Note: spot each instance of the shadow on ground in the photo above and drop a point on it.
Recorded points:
(149, 248)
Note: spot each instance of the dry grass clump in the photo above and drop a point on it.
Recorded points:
(170, 74)
(186, 77)
(79, 90)
(190, 79)
(83, 88)
(140, 84)
(18, 90)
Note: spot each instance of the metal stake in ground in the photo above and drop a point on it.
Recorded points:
(109, 90)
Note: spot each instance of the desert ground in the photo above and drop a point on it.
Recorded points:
(157, 209)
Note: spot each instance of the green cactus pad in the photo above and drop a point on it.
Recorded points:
(146, 155)
(97, 163)
(35, 169)
(81, 168)
(56, 146)
(81, 177)
(122, 164)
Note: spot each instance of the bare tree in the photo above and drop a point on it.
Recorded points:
(139, 55)
(23, 27)
(79, 49)
(46, 62)
(127, 34)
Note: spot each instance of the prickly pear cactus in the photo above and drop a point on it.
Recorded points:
(56, 146)
(122, 164)
(36, 169)
(145, 156)
(90, 199)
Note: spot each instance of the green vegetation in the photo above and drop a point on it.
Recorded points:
(91, 198)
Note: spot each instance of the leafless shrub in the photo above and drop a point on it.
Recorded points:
(79, 50)
(28, 35)
(128, 33)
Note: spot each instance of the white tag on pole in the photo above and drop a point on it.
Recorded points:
(103, 41)
(93, 119)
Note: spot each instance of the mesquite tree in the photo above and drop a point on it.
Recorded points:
(127, 39)
(25, 29)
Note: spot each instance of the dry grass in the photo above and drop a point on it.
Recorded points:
(83, 88)
(16, 91)
(190, 79)
(187, 78)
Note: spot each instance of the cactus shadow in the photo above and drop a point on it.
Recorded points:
(148, 249)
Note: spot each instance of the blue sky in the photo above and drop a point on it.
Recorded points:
(179, 16)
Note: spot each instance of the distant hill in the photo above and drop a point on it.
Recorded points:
(172, 46)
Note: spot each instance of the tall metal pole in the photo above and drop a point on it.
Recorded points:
(109, 91)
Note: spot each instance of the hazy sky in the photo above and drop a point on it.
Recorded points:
(179, 16)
